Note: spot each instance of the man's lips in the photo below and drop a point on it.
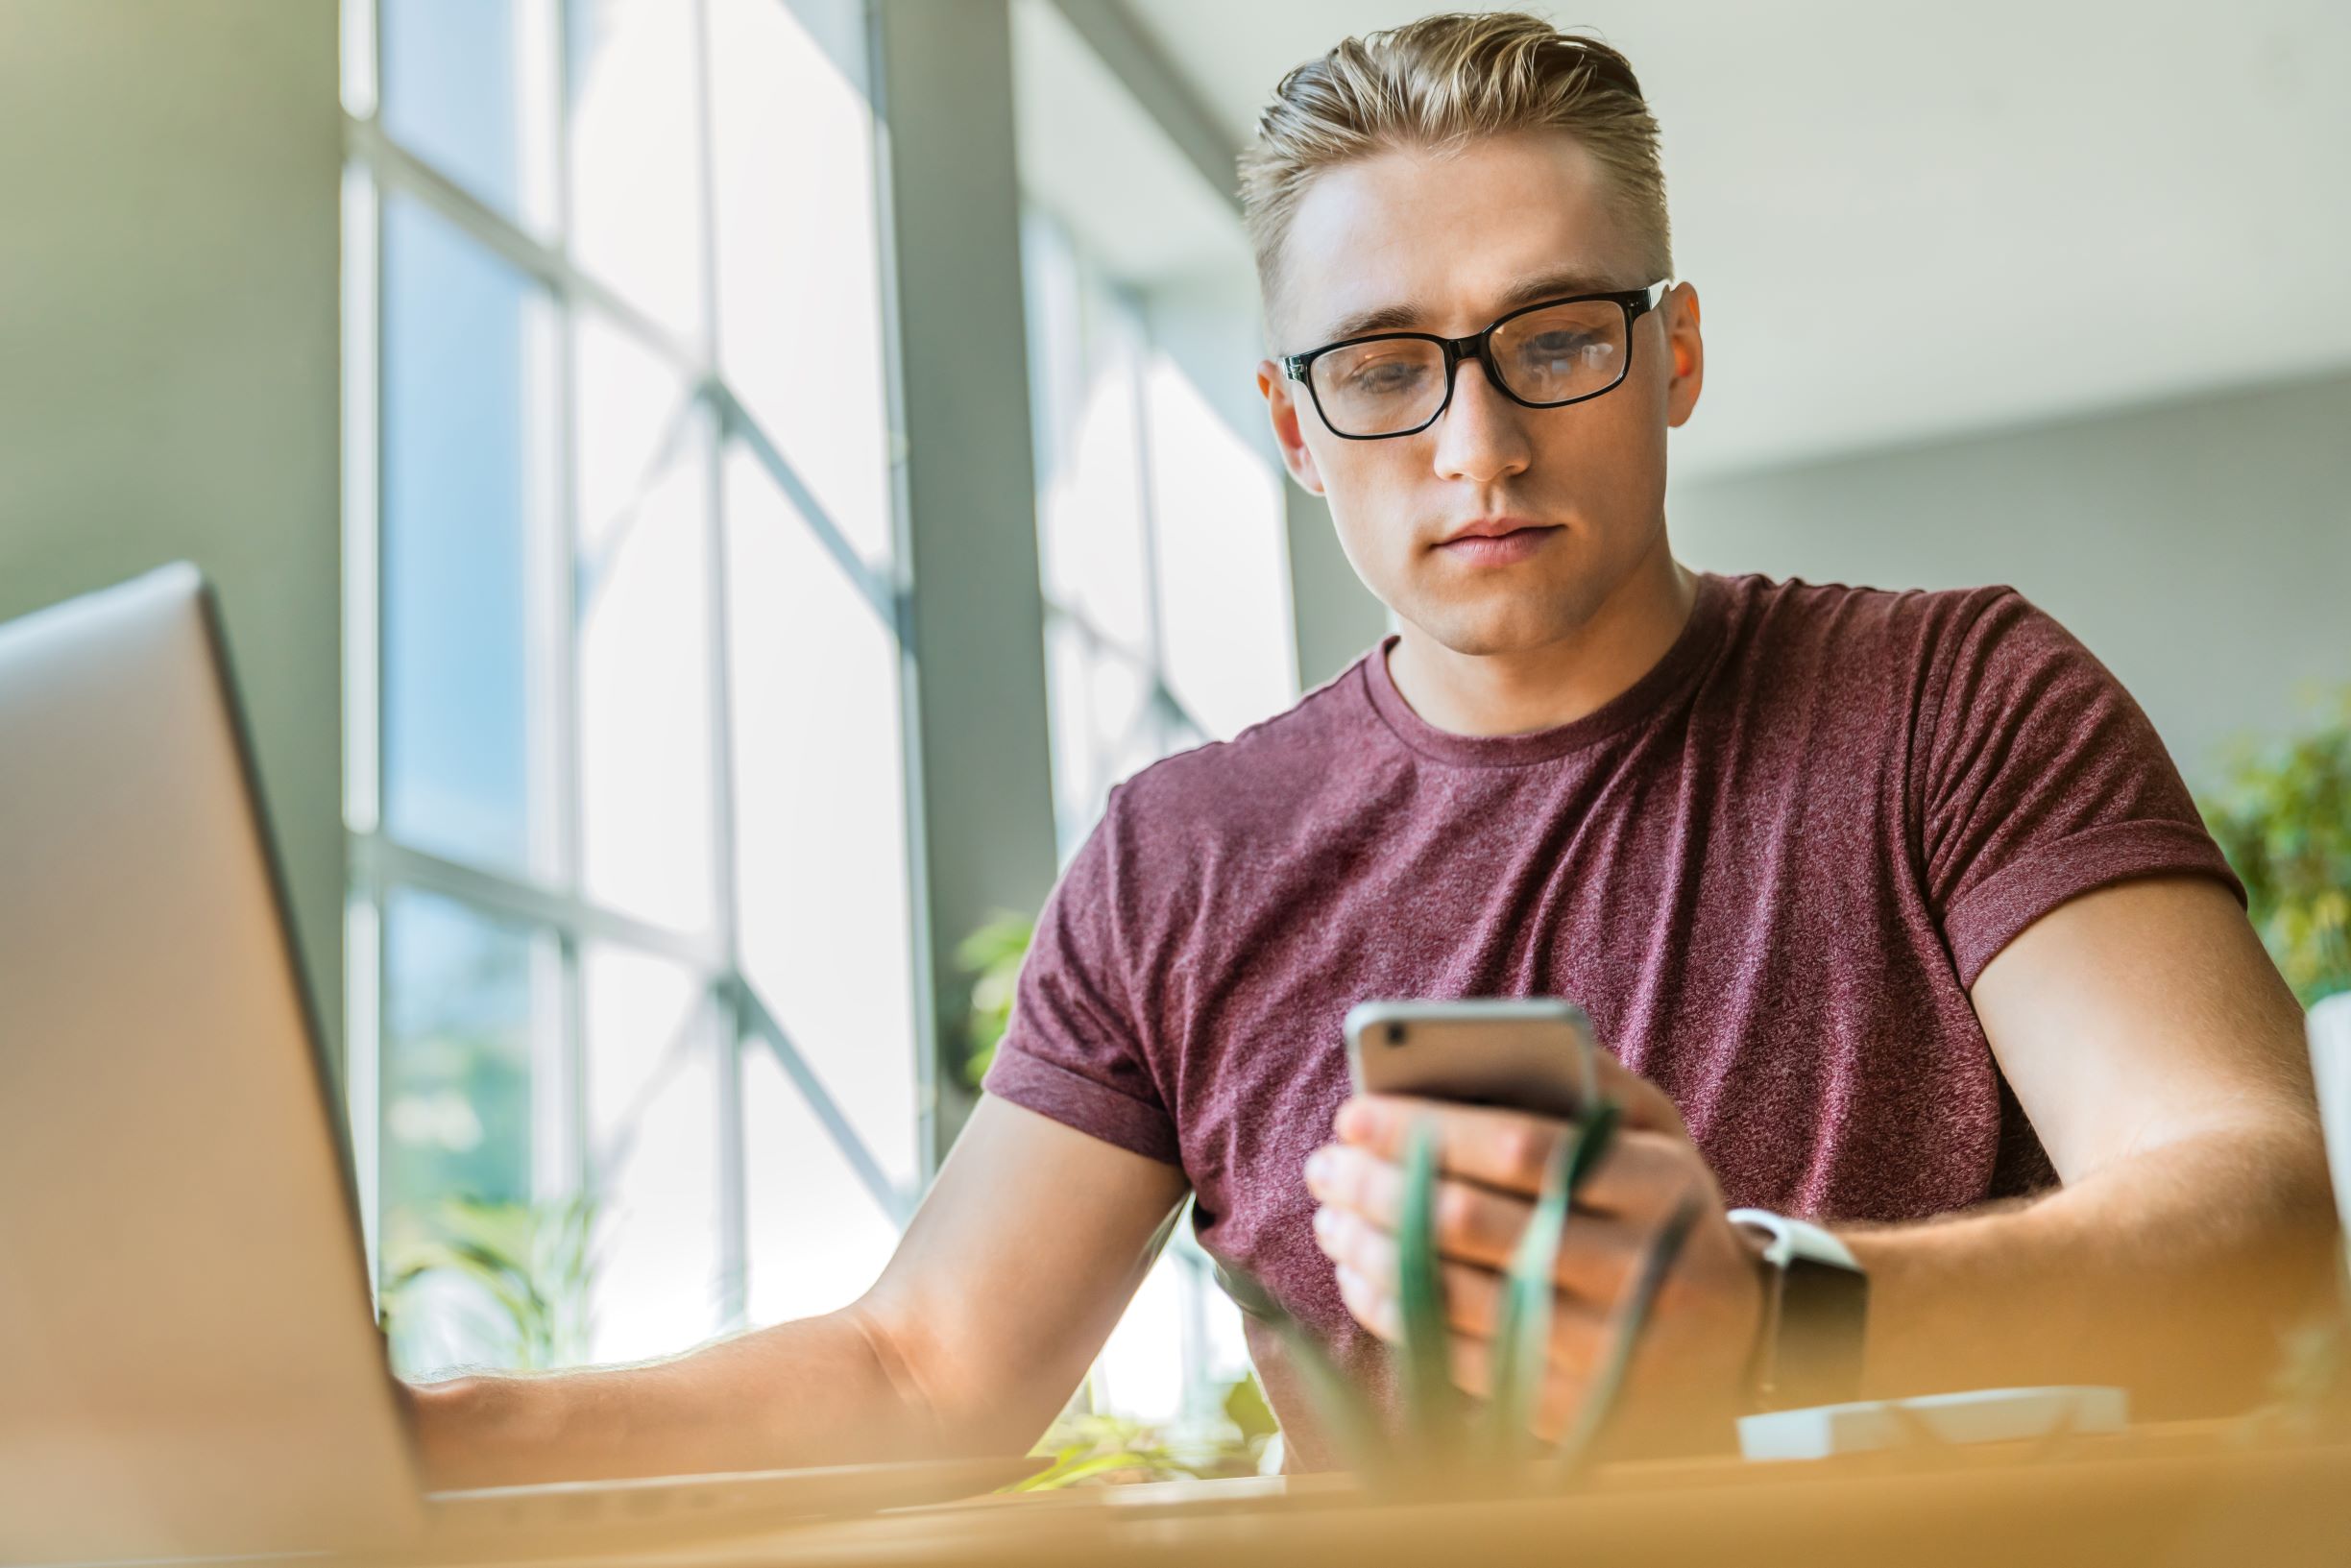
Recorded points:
(1494, 541)
(1491, 528)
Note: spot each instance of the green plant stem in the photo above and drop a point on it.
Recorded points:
(1522, 1340)
(1432, 1404)
(1345, 1412)
(1630, 1318)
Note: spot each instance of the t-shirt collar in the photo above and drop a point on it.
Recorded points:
(1690, 649)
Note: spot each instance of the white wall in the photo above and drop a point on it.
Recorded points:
(2201, 548)
(169, 177)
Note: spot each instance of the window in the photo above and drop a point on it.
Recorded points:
(1166, 626)
(1160, 539)
(619, 489)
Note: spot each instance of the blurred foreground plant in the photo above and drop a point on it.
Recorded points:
(2283, 817)
(1088, 1447)
(525, 1269)
(1441, 1440)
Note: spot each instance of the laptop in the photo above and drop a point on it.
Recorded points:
(190, 1360)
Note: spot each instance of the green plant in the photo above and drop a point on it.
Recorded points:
(2283, 817)
(1089, 1448)
(1440, 1440)
(524, 1271)
(991, 958)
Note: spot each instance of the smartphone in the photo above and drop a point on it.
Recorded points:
(1531, 1053)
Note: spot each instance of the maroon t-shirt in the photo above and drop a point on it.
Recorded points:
(1769, 871)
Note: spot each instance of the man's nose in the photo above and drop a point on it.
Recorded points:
(1481, 435)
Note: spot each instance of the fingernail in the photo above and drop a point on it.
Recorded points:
(1318, 1166)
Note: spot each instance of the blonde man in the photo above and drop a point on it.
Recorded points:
(1890, 904)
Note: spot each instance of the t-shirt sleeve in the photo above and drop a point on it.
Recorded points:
(2043, 779)
(1073, 1048)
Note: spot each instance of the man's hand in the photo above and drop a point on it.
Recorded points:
(1692, 1361)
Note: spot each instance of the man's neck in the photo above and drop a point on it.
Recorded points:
(1513, 693)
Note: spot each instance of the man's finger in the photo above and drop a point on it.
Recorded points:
(1473, 1305)
(1563, 1384)
(1565, 1379)
(1640, 1104)
(1505, 1149)
(1474, 1224)
(1642, 1176)
(1479, 1229)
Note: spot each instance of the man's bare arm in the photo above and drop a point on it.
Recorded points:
(2161, 1060)
(1008, 1281)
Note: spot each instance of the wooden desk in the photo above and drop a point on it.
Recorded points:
(2160, 1496)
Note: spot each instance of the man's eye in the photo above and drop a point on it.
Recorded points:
(1555, 345)
(1385, 375)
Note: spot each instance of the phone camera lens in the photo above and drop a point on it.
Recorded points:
(1396, 1035)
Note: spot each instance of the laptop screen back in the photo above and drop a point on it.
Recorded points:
(188, 1360)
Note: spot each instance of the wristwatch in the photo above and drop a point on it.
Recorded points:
(1816, 1310)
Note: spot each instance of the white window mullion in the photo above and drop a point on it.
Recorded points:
(725, 998)
(359, 57)
(538, 114)
(362, 504)
(559, 1158)
(363, 1018)
(362, 1061)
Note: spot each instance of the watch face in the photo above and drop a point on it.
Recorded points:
(1823, 1322)
(1817, 1314)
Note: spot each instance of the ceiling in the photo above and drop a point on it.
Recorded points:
(1912, 221)
(1097, 161)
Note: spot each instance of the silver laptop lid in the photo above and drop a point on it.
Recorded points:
(189, 1357)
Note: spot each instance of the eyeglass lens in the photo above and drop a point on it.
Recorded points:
(1545, 357)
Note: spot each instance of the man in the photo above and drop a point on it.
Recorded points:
(1890, 904)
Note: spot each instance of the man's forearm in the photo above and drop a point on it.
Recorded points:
(822, 1390)
(2172, 1270)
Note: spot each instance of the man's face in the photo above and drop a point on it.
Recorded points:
(1448, 243)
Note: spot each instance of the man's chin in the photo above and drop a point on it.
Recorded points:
(1488, 631)
(1517, 610)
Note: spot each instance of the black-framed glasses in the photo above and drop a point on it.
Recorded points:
(1544, 355)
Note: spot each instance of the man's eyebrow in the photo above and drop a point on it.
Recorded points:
(1405, 317)
(1557, 285)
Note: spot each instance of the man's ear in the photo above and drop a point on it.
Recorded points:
(1284, 409)
(1688, 352)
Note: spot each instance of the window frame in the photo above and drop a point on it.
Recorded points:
(1161, 719)
(550, 900)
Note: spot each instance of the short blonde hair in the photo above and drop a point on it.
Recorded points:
(1439, 83)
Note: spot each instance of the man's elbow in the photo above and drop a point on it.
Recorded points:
(2307, 1225)
(2271, 1264)
(949, 1401)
